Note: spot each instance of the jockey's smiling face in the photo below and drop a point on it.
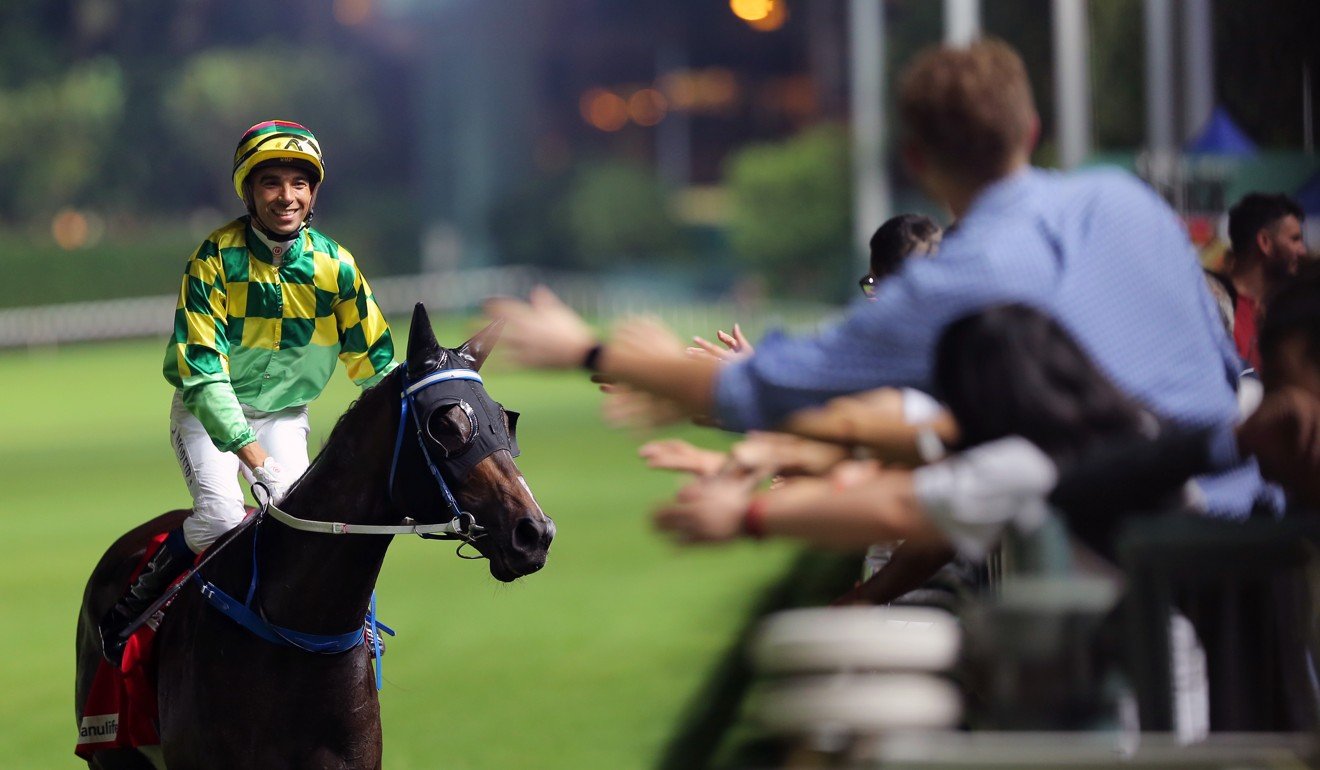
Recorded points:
(282, 197)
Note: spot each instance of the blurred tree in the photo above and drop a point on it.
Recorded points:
(52, 138)
(33, 44)
(792, 212)
(531, 225)
(1117, 61)
(619, 215)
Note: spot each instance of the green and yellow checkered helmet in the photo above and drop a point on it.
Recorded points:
(276, 140)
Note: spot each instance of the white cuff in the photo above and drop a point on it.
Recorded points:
(974, 495)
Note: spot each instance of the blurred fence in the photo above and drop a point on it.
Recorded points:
(594, 297)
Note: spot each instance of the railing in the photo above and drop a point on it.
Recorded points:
(48, 325)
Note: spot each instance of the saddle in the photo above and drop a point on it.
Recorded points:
(121, 710)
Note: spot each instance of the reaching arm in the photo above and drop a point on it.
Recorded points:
(814, 511)
(543, 332)
(648, 356)
(875, 420)
(886, 342)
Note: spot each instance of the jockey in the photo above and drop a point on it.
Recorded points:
(266, 306)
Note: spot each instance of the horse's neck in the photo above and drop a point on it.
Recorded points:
(321, 583)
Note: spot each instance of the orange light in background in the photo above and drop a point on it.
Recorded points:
(752, 10)
(681, 88)
(717, 88)
(604, 109)
(351, 13)
(70, 229)
(710, 90)
(773, 20)
(647, 107)
(794, 96)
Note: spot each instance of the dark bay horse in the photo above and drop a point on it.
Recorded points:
(229, 699)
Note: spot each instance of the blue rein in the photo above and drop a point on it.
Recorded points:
(243, 614)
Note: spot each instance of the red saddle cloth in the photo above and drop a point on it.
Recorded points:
(121, 709)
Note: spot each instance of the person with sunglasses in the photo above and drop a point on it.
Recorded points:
(903, 236)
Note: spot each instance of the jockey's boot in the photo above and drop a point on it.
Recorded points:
(156, 576)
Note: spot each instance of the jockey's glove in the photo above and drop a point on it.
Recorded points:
(274, 478)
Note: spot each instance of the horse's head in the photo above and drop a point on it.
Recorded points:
(455, 431)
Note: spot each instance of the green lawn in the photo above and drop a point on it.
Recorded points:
(589, 663)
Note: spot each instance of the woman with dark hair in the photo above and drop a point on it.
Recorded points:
(1014, 371)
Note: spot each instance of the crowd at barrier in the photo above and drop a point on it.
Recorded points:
(1046, 410)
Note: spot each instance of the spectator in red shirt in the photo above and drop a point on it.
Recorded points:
(1265, 234)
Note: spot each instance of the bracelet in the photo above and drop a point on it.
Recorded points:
(753, 523)
(591, 361)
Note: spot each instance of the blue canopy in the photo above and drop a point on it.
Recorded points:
(1221, 136)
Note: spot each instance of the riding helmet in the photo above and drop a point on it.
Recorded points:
(279, 141)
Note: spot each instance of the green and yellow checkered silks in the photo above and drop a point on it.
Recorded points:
(249, 332)
(276, 140)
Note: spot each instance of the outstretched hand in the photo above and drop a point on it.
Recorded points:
(707, 510)
(542, 332)
(626, 407)
(645, 338)
(736, 346)
(781, 453)
(678, 455)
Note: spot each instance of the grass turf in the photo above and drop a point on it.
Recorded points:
(589, 663)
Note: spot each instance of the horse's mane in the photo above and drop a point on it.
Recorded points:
(363, 414)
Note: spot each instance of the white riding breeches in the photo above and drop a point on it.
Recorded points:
(212, 475)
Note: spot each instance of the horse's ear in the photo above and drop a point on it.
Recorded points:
(476, 349)
(424, 352)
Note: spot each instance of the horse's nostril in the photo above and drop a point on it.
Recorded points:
(531, 534)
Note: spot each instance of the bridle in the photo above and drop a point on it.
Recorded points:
(462, 525)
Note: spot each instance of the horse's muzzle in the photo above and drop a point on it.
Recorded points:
(529, 542)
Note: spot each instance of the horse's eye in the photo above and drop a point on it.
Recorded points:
(452, 426)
